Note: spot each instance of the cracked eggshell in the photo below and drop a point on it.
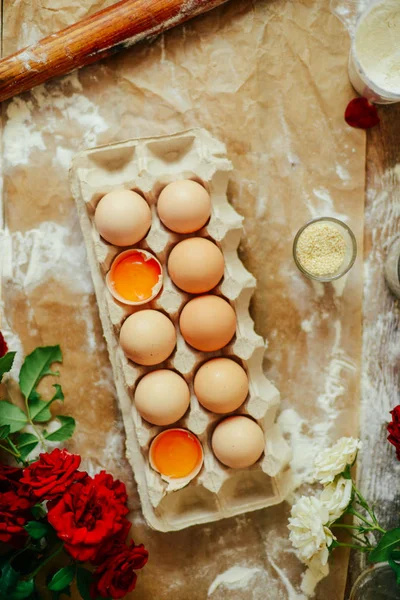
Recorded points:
(173, 482)
(147, 256)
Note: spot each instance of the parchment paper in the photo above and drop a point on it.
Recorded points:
(270, 80)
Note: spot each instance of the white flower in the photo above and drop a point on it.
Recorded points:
(308, 534)
(318, 568)
(333, 461)
(336, 497)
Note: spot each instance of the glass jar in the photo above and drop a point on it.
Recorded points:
(392, 268)
(376, 583)
(350, 255)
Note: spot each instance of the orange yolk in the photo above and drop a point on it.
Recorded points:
(176, 453)
(134, 277)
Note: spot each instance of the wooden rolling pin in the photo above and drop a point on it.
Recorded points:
(93, 38)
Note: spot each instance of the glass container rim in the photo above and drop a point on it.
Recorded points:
(341, 273)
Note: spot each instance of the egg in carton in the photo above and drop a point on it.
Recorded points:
(146, 166)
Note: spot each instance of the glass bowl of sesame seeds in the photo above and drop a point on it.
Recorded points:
(324, 249)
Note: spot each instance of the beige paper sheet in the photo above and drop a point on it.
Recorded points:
(269, 79)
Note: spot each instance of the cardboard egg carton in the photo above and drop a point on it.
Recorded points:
(147, 166)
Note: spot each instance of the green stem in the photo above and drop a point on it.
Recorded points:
(354, 512)
(371, 528)
(48, 559)
(35, 429)
(354, 546)
(365, 505)
(9, 451)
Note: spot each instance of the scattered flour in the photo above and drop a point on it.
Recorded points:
(235, 578)
(64, 157)
(334, 388)
(51, 250)
(20, 136)
(342, 173)
(51, 109)
(292, 594)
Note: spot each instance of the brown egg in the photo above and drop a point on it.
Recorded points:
(221, 385)
(208, 323)
(238, 442)
(184, 206)
(122, 217)
(162, 397)
(147, 337)
(196, 265)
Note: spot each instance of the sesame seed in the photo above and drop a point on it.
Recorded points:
(321, 249)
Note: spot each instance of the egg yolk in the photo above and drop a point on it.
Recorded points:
(176, 453)
(135, 276)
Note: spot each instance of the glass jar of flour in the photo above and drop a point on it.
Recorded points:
(374, 62)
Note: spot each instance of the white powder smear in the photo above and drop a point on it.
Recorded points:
(235, 578)
(377, 45)
(50, 110)
(51, 250)
(292, 594)
(20, 136)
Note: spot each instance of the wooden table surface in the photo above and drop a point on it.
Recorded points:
(378, 469)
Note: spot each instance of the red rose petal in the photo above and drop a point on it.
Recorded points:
(361, 114)
(3, 345)
(394, 430)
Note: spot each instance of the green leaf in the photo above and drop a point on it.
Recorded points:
(65, 592)
(395, 555)
(396, 569)
(388, 542)
(83, 581)
(59, 394)
(37, 529)
(6, 362)
(347, 472)
(39, 410)
(64, 432)
(26, 442)
(36, 366)
(4, 432)
(12, 415)
(8, 580)
(23, 589)
(38, 511)
(62, 578)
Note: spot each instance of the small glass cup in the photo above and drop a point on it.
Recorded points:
(376, 583)
(349, 258)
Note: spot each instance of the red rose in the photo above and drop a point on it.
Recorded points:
(115, 485)
(3, 346)
(14, 507)
(87, 516)
(52, 474)
(394, 430)
(113, 544)
(361, 114)
(116, 576)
